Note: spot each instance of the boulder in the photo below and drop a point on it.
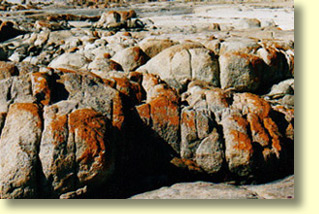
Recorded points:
(210, 153)
(152, 47)
(181, 63)
(102, 66)
(242, 72)
(238, 145)
(70, 61)
(75, 148)
(108, 18)
(237, 44)
(130, 58)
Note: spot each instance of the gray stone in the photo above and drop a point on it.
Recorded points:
(198, 190)
(20, 139)
(70, 61)
(210, 153)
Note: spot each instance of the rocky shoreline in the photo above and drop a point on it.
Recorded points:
(115, 100)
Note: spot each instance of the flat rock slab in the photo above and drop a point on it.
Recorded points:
(282, 189)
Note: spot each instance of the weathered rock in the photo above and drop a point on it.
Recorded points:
(199, 190)
(277, 66)
(280, 189)
(154, 46)
(88, 131)
(70, 61)
(130, 58)
(165, 120)
(189, 139)
(46, 25)
(108, 18)
(20, 139)
(116, 19)
(102, 66)
(179, 64)
(285, 87)
(40, 87)
(56, 152)
(7, 69)
(238, 145)
(210, 153)
(240, 71)
(234, 44)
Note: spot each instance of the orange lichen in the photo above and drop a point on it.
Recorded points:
(90, 127)
(242, 141)
(144, 112)
(163, 111)
(122, 85)
(272, 129)
(107, 55)
(185, 163)
(289, 113)
(41, 86)
(240, 121)
(188, 119)
(72, 50)
(126, 34)
(95, 34)
(64, 70)
(115, 66)
(259, 134)
(117, 113)
(255, 104)
(109, 82)
(138, 55)
(290, 131)
(58, 127)
(149, 81)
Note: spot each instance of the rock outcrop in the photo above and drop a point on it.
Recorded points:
(112, 106)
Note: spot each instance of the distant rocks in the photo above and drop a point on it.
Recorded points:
(118, 20)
